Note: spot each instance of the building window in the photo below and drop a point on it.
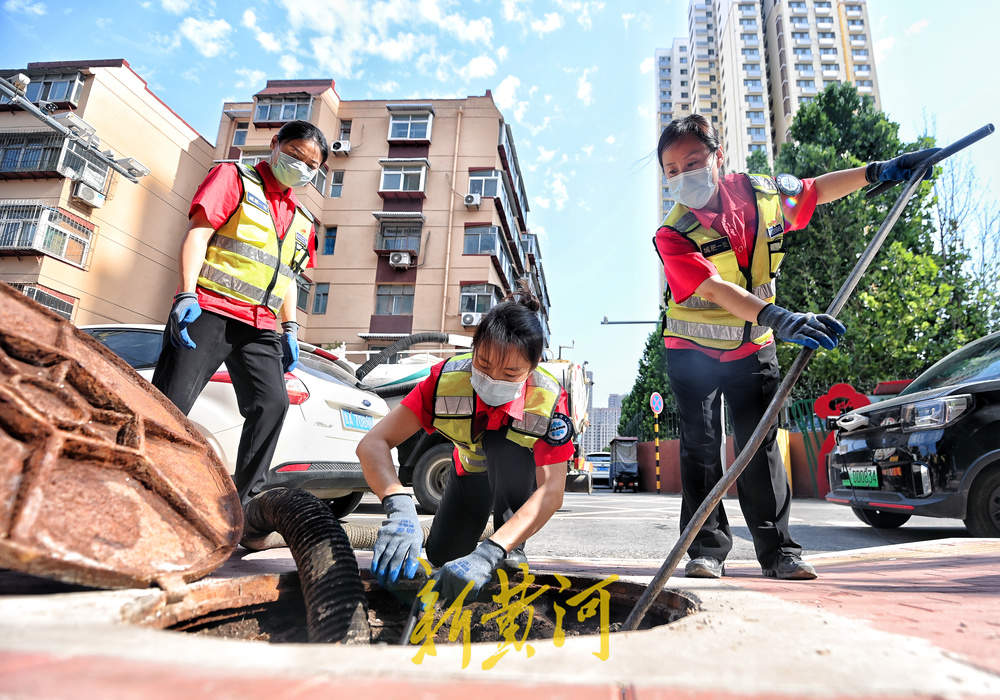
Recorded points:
(748, 38)
(825, 35)
(752, 83)
(750, 67)
(862, 68)
(319, 180)
(755, 133)
(860, 53)
(55, 88)
(336, 183)
(805, 100)
(49, 301)
(746, 22)
(403, 178)
(803, 53)
(26, 225)
(302, 298)
(409, 126)
(329, 240)
(754, 100)
(750, 53)
(804, 67)
(479, 298)
(756, 147)
(831, 66)
(684, 95)
(401, 236)
(321, 297)
(33, 153)
(684, 83)
(282, 109)
(855, 23)
(252, 159)
(345, 130)
(755, 117)
(484, 182)
(828, 51)
(240, 134)
(864, 83)
(803, 35)
(805, 84)
(394, 300)
(480, 240)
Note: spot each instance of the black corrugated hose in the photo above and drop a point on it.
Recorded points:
(336, 606)
(401, 344)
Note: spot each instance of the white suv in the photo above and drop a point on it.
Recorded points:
(327, 416)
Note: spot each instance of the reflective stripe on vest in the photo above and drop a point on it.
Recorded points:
(455, 403)
(705, 323)
(246, 259)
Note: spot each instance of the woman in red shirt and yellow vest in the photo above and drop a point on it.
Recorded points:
(248, 239)
(721, 246)
(507, 420)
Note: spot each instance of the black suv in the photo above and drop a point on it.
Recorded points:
(933, 450)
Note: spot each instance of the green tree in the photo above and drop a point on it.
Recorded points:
(757, 164)
(915, 303)
(636, 417)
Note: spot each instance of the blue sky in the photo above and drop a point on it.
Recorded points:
(573, 77)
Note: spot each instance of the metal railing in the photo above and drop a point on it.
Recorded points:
(32, 225)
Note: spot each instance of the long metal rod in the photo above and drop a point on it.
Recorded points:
(7, 89)
(798, 366)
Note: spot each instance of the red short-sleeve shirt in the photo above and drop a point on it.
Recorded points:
(686, 268)
(217, 198)
(421, 402)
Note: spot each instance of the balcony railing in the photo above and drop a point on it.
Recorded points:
(41, 153)
(30, 225)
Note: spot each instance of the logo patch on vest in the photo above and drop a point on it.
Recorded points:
(560, 430)
(775, 231)
(258, 202)
(719, 245)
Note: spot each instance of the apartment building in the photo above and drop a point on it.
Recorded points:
(421, 211)
(764, 59)
(74, 234)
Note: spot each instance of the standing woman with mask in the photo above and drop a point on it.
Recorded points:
(721, 246)
(506, 417)
(248, 239)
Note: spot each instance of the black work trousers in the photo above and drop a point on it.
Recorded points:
(468, 500)
(697, 381)
(253, 358)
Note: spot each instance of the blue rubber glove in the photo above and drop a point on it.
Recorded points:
(811, 330)
(399, 540)
(477, 567)
(289, 346)
(182, 314)
(899, 168)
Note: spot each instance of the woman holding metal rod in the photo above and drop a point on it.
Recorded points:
(721, 246)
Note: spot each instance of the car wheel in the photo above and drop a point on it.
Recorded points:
(342, 506)
(430, 477)
(882, 519)
(983, 509)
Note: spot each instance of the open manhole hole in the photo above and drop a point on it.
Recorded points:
(270, 608)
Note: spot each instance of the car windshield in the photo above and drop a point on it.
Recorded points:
(600, 458)
(976, 362)
(140, 348)
(313, 364)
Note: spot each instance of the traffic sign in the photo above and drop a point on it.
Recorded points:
(656, 402)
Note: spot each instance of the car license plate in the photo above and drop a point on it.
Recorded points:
(863, 477)
(356, 421)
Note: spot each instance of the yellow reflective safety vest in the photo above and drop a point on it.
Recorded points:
(455, 406)
(707, 324)
(246, 260)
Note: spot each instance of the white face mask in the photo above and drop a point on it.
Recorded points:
(289, 171)
(494, 392)
(694, 188)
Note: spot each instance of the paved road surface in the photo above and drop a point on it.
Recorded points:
(645, 526)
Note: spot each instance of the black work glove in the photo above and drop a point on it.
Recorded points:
(477, 567)
(811, 330)
(397, 547)
(899, 168)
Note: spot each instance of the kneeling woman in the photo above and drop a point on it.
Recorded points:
(507, 419)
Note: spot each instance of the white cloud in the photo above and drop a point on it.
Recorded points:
(581, 10)
(541, 202)
(883, 47)
(627, 17)
(385, 86)
(175, 6)
(560, 195)
(505, 96)
(165, 42)
(103, 22)
(610, 140)
(584, 88)
(290, 65)
(479, 67)
(544, 155)
(207, 36)
(551, 22)
(502, 53)
(267, 40)
(252, 79)
(917, 27)
(512, 11)
(25, 7)
(191, 75)
(588, 149)
(470, 31)
(547, 98)
(646, 66)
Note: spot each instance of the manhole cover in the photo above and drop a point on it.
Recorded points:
(103, 482)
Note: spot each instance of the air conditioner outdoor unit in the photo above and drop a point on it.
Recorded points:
(471, 319)
(88, 195)
(400, 259)
(473, 200)
(340, 148)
